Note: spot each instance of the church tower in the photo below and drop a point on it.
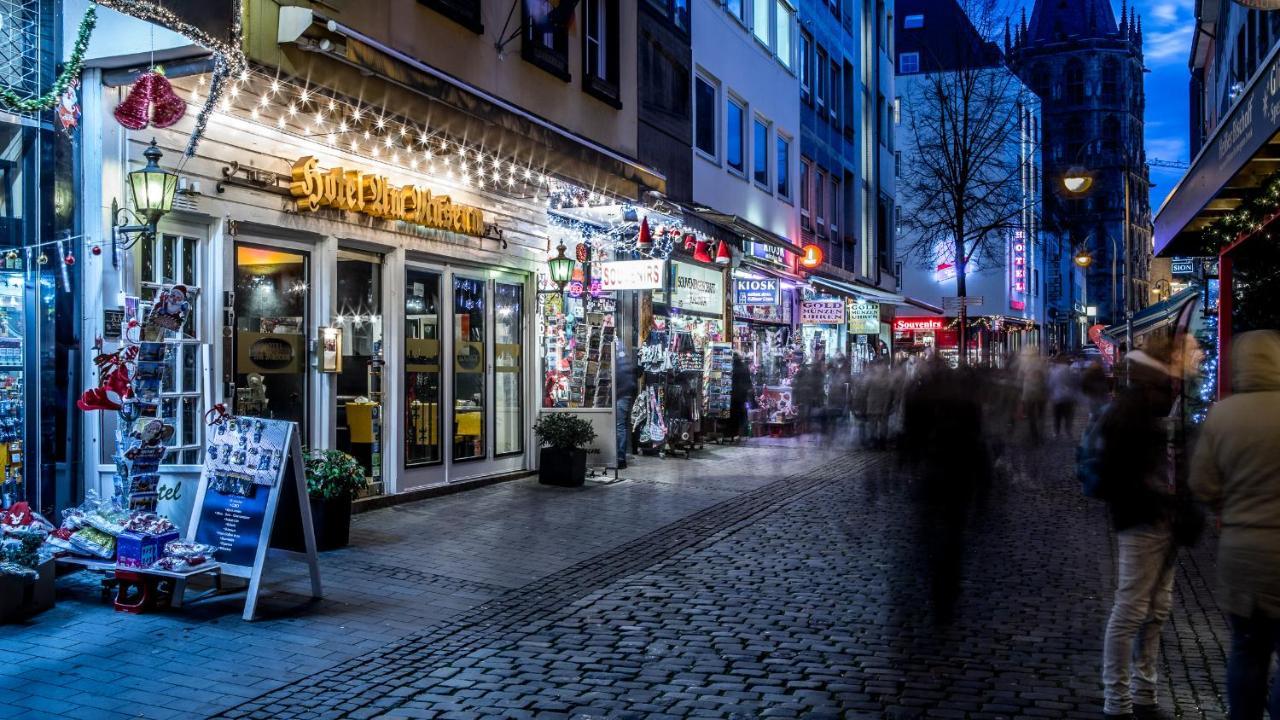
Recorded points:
(1087, 69)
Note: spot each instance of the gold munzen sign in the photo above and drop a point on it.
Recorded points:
(373, 195)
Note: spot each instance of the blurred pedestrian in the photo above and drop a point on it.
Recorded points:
(1095, 387)
(741, 391)
(1236, 469)
(1137, 483)
(1062, 396)
(625, 390)
(879, 402)
(1034, 379)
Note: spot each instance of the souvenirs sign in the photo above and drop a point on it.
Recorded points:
(374, 195)
(631, 275)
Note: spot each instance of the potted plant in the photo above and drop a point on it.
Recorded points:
(563, 458)
(334, 478)
(26, 584)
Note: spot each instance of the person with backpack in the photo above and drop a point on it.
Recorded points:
(1135, 478)
(1236, 469)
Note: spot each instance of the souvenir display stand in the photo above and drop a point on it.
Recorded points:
(667, 414)
(717, 388)
(577, 334)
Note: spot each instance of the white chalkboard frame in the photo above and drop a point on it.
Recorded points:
(254, 572)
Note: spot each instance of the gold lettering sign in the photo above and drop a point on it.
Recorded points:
(374, 195)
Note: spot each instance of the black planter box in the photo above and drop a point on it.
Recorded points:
(330, 518)
(21, 598)
(565, 468)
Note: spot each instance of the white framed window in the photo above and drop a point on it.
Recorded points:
(735, 141)
(833, 103)
(912, 22)
(908, 63)
(805, 62)
(897, 110)
(173, 257)
(737, 8)
(760, 151)
(820, 80)
(595, 35)
(705, 138)
(760, 20)
(806, 194)
(819, 202)
(784, 167)
(785, 22)
(833, 217)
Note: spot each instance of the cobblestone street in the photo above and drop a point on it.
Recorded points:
(777, 580)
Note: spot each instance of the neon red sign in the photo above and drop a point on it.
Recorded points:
(917, 324)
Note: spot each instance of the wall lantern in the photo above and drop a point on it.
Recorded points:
(152, 189)
(560, 267)
(810, 256)
(1083, 259)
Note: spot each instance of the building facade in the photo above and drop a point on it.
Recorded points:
(1087, 70)
(386, 184)
(939, 47)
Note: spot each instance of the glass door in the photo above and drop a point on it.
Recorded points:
(508, 368)
(470, 368)
(358, 316)
(271, 300)
(422, 372)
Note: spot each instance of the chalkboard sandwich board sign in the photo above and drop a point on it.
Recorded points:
(253, 471)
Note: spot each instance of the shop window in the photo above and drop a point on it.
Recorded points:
(735, 140)
(170, 259)
(546, 35)
(600, 50)
(272, 294)
(508, 328)
(784, 167)
(358, 314)
(464, 12)
(760, 152)
(469, 399)
(421, 368)
(908, 63)
(704, 116)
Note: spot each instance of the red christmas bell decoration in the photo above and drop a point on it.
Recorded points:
(644, 242)
(132, 112)
(168, 107)
(701, 250)
(96, 249)
(722, 253)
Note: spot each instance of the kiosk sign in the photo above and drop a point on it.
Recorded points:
(753, 291)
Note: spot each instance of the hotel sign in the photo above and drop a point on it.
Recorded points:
(373, 195)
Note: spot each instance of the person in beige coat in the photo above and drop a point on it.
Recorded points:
(1236, 470)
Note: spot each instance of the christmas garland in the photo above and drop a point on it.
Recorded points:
(1256, 209)
(14, 101)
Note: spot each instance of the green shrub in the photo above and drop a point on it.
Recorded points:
(563, 431)
(332, 474)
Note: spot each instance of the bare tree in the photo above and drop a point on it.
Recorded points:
(963, 186)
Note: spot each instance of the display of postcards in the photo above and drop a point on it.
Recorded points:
(149, 370)
(143, 483)
(228, 484)
(142, 501)
(150, 430)
(152, 351)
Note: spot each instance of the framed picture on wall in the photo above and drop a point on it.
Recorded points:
(330, 349)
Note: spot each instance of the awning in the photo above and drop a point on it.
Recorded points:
(382, 76)
(1154, 317)
(768, 268)
(859, 292)
(1243, 151)
(745, 228)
